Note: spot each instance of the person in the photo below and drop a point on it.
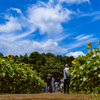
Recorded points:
(56, 86)
(52, 83)
(46, 86)
(66, 81)
(62, 84)
(49, 79)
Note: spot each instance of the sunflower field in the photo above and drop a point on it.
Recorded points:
(19, 78)
(85, 77)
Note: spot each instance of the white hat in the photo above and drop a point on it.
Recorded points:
(66, 65)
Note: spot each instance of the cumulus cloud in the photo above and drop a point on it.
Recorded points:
(27, 46)
(75, 54)
(74, 1)
(11, 25)
(48, 18)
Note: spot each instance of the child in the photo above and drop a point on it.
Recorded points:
(56, 86)
(62, 84)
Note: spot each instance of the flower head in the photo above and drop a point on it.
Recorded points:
(9, 56)
(73, 62)
(67, 72)
(35, 71)
(74, 70)
(99, 41)
(94, 50)
(83, 65)
(23, 64)
(2, 62)
(89, 44)
(31, 67)
(90, 52)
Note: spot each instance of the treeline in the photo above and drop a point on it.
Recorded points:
(44, 63)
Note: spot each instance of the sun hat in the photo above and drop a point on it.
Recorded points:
(49, 74)
(66, 65)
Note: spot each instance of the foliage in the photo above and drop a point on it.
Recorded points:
(86, 77)
(19, 78)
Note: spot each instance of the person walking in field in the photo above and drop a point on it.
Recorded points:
(62, 84)
(66, 78)
(56, 86)
(52, 83)
(49, 79)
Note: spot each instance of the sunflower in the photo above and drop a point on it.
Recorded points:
(90, 52)
(89, 44)
(74, 70)
(67, 72)
(83, 65)
(35, 71)
(9, 56)
(94, 50)
(2, 62)
(99, 41)
(23, 64)
(73, 62)
(31, 67)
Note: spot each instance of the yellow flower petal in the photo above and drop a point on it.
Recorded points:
(94, 50)
(89, 44)
(23, 64)
(99, 41)
(67, 72)
(83, 65)
(9, 56)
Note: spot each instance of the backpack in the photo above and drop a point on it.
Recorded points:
(49, 79)
(67, 76)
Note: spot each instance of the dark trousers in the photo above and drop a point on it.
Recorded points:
(50, 87)
(66, 82)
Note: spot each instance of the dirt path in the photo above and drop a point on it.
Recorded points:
(44, 96)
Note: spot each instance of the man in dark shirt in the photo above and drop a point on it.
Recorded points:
(49, 79)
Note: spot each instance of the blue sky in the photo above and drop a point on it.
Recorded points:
(62, 27)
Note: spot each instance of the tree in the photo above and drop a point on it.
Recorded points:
(25, 59)
(68, 60)
(50, 54)
(43, 60)
(32, 58)
(1, 55)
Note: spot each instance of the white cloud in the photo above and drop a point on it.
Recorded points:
(16, 9)
(95, 15)
(47, 18)
(82, 37)
(81, 40)
(90, 14)
(13, 37)
(75, 54)
(27, 46)
(74, 1)
(11, 25)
